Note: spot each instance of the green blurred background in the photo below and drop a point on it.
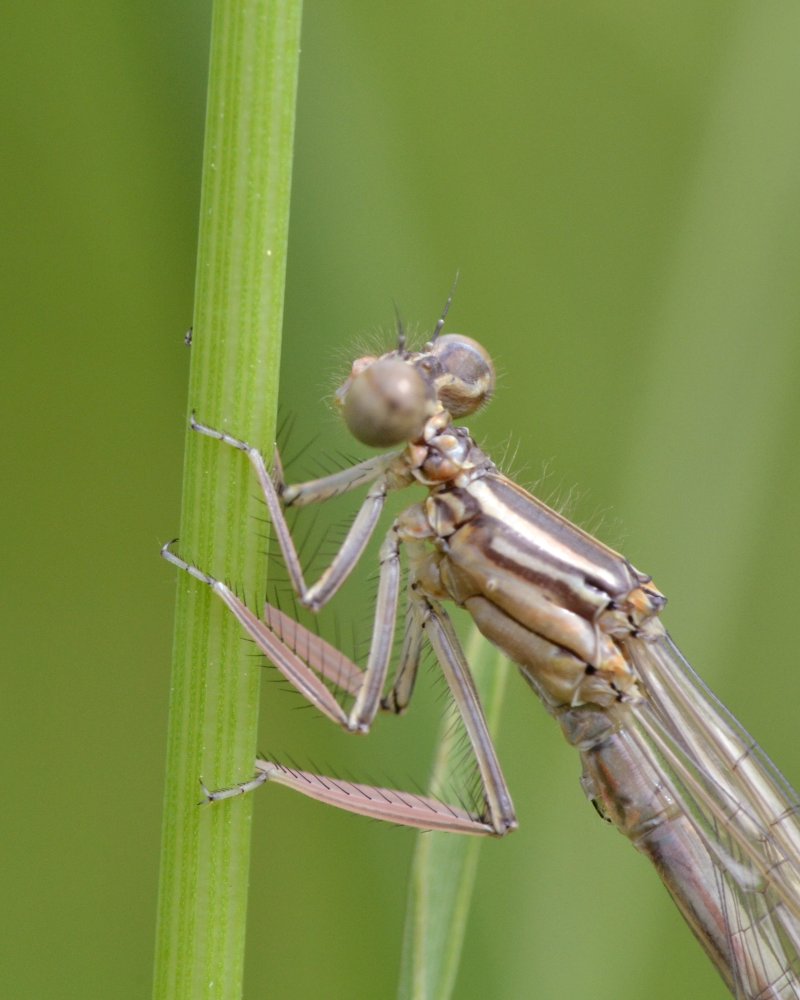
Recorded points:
(619, 186)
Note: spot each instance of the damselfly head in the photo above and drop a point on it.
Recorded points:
(388, 400)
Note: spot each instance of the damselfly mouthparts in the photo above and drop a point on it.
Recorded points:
(662, 758)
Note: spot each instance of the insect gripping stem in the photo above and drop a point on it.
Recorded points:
(662, 759)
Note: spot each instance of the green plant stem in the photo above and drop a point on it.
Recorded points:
(235, 358)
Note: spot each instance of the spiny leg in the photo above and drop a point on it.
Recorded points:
(424, 613)
(298, 653)
(383, 629)
(316, 596)
(405, 808)
(303, 657)
(442, 637)
(272, 642)
(387, 804)
(270, 635)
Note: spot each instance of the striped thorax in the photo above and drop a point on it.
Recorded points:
(554, 599)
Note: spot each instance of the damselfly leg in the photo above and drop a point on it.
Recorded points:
(304, 658)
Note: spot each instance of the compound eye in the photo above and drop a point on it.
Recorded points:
(387, 403)
(467, 379)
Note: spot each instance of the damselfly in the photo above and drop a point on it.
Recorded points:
(662, 758)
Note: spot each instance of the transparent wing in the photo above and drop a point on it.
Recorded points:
(743, 809)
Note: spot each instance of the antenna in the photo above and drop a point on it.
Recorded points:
(401, 333)
(440, 322)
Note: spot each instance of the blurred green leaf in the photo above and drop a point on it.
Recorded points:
(444, 867)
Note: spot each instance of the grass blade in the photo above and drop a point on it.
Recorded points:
(444, 867)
